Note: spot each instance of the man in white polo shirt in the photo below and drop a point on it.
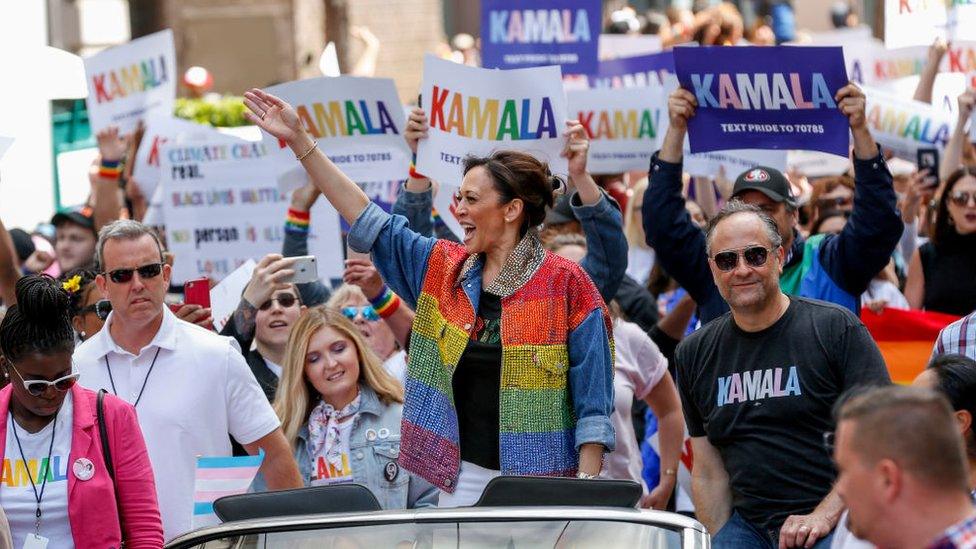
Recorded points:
(190, 386)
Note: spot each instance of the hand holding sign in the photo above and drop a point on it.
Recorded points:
(681, 107)
(274, 116)
(576, 149)
(850, 101)
(417, 126)
(966, 103)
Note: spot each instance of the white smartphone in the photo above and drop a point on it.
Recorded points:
(305, 270)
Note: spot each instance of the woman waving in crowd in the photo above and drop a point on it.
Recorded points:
(511, 367)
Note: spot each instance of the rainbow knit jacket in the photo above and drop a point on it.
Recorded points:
(537, 431)
(557, 350)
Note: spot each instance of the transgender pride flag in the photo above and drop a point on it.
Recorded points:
(217, 477)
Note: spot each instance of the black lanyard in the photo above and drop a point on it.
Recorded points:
(50, 451)
(144, 381)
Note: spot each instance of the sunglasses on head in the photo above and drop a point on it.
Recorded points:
(101, 308)
(368, 312)
(755, 256)
(121, 276)
(285, 300)
(961, 198)
(37, 387)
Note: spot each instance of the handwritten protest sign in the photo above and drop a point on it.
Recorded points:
(624, 126)
(920, 22)
(222, 206)
(358, 123)
(477, 111)
(533, 33)
(732, 162)
(903, 125)
(127, 82)
(633, 72)
(161, 129)
(764, 97)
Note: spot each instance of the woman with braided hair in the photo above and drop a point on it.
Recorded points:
(510, 368)
(58, 490)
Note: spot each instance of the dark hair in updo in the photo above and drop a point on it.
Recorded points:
(516, 174)
(39, 322)
(86, 280)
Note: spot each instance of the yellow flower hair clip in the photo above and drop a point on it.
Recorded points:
(72, 285)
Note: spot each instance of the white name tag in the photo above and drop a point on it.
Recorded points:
(33, 541)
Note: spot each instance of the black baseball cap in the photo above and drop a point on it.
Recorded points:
(79, 215)
(769, 181)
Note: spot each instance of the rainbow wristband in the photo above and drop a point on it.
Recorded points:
(109, 169)
(386, 303)
(297, 221)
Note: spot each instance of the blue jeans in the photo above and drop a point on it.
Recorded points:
(738, 533)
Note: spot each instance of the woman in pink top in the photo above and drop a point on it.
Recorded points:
(55, 488)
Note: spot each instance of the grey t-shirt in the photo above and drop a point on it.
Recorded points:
(765, 399)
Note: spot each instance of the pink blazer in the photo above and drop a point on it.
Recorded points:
(92, 508)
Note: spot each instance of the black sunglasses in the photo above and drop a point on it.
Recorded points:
(101, 308)
(285, 300)
(121, 276)
(756, 256)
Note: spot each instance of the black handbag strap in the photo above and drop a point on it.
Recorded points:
(103, 434)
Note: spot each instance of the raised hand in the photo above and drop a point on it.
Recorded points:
(966, 102)
(362, 273)
(303, 198)
(681, 107)
(111, 145)
(851, 102)
(417, 127)
(267, 278)
(576, 149)
(273, 115)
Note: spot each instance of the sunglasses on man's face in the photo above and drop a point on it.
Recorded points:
(101, 308)
(37, 387)
(369, 313)
(285, 300)
(121, 276)
(961, 198)
(755, 256)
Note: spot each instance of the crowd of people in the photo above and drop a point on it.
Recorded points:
(572, 317)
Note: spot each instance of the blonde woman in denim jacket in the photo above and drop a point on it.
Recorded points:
(340, 410)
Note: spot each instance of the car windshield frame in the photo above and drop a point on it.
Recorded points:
(693, 534)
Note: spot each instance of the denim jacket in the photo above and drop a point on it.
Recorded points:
(606, 245)
(373, 449)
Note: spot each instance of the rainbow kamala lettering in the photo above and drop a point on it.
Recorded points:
(761, 91)
(134, 78)
(346, 118)
(480, 118)
(551, 26)
(626, 124)
(891, 120)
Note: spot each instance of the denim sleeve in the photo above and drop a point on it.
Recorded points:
(863, 248)
(678, 243)
(421, 493)
(417, 208)
(399, 254)
(591, 381)
(296, 244)
(606, 245)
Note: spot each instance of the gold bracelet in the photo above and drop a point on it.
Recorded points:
(308, 152)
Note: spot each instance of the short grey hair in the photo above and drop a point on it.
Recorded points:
(123, 229)
(734, 207)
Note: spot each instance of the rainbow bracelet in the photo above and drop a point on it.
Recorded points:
(109, 169)
(297, 221)
(386, 303)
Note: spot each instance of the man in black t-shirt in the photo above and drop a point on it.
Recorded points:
(758, 385)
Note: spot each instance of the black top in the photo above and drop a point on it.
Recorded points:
(950, 275)
(764, 400)
(476, 384)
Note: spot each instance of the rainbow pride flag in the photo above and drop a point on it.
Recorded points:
(217, 477)
(906, 338)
